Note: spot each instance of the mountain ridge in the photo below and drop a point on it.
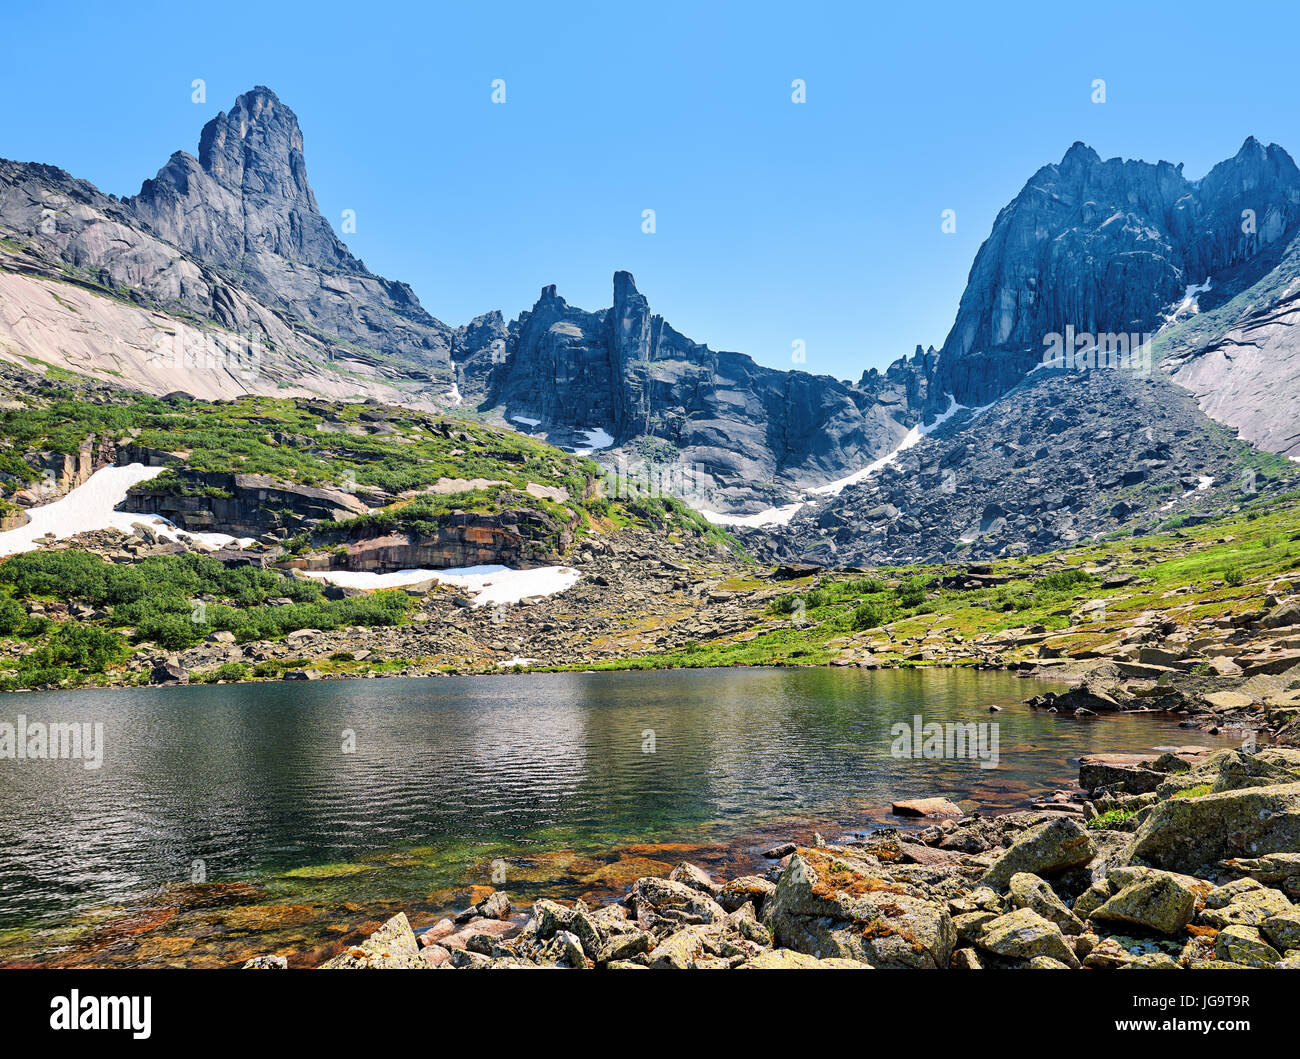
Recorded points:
(229, 246)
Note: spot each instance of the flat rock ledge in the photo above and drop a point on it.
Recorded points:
(1201, 870)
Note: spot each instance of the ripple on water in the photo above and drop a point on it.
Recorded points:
(228, 820)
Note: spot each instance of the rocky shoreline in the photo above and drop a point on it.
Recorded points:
(1185, 860)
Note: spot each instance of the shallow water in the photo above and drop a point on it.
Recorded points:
(229, 819)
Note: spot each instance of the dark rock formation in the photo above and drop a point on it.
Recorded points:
(755, 435)
(244, 206)
(1107, 247)
(243, 505)
(513, 537)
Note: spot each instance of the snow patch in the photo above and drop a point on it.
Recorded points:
(779, 516)
(1189, 306)
(487, 584)
(454, 396)
(772, 516)
(913, 436)
(92, 506)
(526, 421)
(598, 438)
(518, 660)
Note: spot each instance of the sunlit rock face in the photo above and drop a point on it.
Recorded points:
(1108, 247)
(244, 206)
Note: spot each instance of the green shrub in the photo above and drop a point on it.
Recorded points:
(870, 616)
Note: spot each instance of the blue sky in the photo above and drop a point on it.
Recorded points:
(775, 222)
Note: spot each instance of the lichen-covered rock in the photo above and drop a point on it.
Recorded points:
(1246, 908)
(1187, 834)
(1244, 945)
(1029, 891)
(746, 888)
(694, 877)
(1092, 898)
(970, 925)
(1275, 869)
(1283, 930)
(829, 904)
(550, 919)
(392, 946)
(787, 959)
(667, 895)
(266, 963)
(1158, 902)
(696, 947)
(1050, 847)
(1024, 934)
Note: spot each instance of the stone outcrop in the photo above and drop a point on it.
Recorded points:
(243, 505)
(512, 537)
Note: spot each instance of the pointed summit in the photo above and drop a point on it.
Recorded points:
(244, 207)
(246, 193)
(256, 148)
(1080, 154)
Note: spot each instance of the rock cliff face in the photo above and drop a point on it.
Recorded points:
(753, 435)
(244, 206)
(512, 537)
(243, 505)
(1108, 247)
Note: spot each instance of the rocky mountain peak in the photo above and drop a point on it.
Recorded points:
(1107, 247)
(245, 207)
(256, 148)
(1080, 155)
(247, 192)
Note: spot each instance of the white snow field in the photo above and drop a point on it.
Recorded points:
(487, 584)
(92, 506)
(779, 516)
(597, 438)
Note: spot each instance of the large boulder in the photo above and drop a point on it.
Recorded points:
(1042, 850)
(1024, 935)
(831, 905)
(1186, 834)
(392, 947)
(655, 896)
(1159, 902)
(1029, 891)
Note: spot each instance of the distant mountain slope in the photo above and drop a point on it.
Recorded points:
(1061, 458)
(752, 435)
(1240, 351)
(221, 277)
(1117, 247)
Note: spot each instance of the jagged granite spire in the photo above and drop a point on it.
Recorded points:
(1106, 246)
(245, 206)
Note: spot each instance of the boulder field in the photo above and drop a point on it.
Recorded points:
(1203, 871)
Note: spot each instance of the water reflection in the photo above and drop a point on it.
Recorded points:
(253, 780)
